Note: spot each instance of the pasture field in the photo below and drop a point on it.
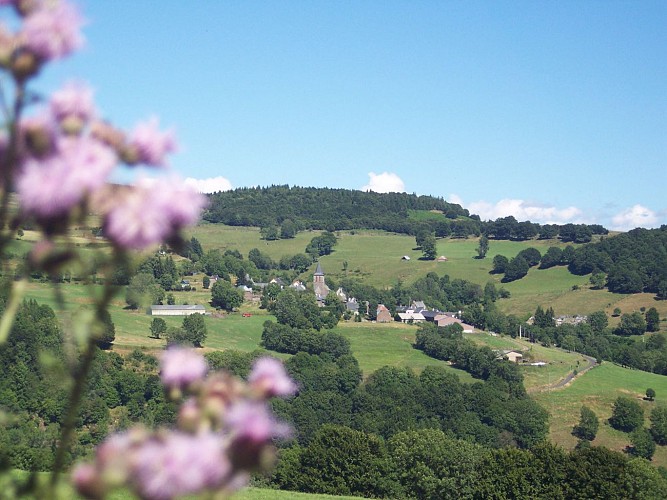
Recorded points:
(389, 344)
(374, 258)
(377, 345)
(598, 388)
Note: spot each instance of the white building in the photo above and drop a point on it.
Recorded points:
(182, 310)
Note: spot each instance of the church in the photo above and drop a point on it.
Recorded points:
(319, 286)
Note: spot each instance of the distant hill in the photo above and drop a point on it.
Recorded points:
(324, 208)
(299, 208)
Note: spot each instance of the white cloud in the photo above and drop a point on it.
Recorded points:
(524, 210)
(211, 185)
(636, 216)
(386, 182)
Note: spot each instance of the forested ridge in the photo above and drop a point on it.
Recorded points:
(634, 262)
(322, 208)
(298, 208)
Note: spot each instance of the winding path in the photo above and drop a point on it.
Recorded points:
(564, 382)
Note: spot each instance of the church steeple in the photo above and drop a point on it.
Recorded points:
(319, 285)
(318, 272)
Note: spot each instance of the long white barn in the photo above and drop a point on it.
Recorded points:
(182, 310)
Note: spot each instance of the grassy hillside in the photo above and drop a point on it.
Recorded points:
(374, 257)
(598, 389)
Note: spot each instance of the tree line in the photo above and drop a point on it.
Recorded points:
(282, 211)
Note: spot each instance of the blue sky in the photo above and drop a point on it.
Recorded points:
(548, 111)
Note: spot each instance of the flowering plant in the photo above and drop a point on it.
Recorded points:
(57, 157)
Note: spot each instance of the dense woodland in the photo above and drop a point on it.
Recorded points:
(281, 211)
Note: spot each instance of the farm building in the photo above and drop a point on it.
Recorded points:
(511, 355)
(446, 320)
(182, 310)
(383, 314)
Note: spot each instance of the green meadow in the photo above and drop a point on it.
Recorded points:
(374, 257)
(598, 388)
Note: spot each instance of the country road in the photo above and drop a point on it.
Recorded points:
(591, 362)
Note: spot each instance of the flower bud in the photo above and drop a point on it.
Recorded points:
(25, 7)
(24, 64)
(88, 482)
(38, 140)
(7, 45)
(107, 134)
(189, 416)
(129, 154)
(72, 125)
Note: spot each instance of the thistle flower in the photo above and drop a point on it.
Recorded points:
(150, 146)
(253, 422)
(73, 105)
(52, 31)
(252, 428)
(39, 135)
(270, 379)
(50, 188)
(181, 367)
(179, 464)
(152, 213)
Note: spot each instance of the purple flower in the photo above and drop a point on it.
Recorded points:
(152, 213)
(179, 464)
(39, 135)
(52, 31)
(252, 422)
(51, 187)
(151, 145)
(180, 367)
(270, 378)
(74, 100)
(87, 481)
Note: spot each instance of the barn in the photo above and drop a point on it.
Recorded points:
(181, 310)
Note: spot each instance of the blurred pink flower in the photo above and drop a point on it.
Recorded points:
(180, 367)
(252, 423)
(39, 135)
(52, 31)
(178, 464)
(51, 187)
(74, 100)
(151, 145)
(269, 377)
(152, 213)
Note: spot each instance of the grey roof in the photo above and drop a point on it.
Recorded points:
(318, 270)
(189, 307)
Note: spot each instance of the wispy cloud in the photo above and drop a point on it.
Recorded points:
(635, 216)
(211, 185)
(524, 210)
(386, 182)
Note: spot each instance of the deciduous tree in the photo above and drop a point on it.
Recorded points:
(225, 296)
(195, 327)
(626, 415)
(158, 327)
(483, 246)
(429, 247)
(588, 425)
